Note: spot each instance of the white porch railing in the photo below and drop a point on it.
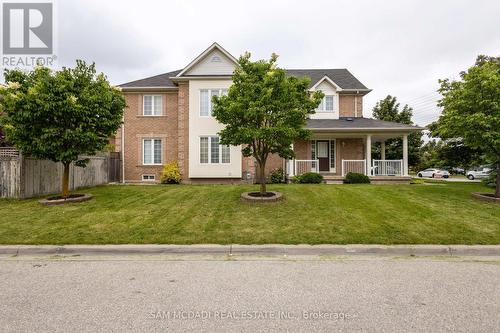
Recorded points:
(303, 166)
(357, 166)
(387, 167)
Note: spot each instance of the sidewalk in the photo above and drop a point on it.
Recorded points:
(271, 249)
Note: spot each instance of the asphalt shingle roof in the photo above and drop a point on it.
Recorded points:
(162, 80)
(357, 123)
(341, 77)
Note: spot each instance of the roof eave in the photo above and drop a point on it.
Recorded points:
(207, 77)
(367, 129)
(160, 88)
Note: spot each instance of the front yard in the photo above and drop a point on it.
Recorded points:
(438, 212)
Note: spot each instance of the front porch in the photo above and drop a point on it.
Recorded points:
(334, 155)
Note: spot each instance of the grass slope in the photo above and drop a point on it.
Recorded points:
(432, 213)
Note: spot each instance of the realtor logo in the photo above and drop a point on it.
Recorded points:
(27, 28)
(28, 34)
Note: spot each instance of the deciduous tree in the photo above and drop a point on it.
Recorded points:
(60, 115)
(471, 110)
(265, 111)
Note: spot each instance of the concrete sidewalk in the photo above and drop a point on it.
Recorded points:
(262, 250)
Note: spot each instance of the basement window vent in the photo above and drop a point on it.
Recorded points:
(216, 59)
(349, 119)
(148, 178)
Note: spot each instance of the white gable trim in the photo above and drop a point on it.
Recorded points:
(337, 87)
(203, 54)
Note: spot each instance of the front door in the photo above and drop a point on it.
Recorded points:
(323, 155)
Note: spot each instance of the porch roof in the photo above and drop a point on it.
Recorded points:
(359, 124)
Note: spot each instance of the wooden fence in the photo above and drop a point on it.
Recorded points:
(24, 177)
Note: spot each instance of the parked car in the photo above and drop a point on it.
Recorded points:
(433, 173)
(457, 171)
(481, 172)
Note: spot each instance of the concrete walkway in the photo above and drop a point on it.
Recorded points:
(271, 249)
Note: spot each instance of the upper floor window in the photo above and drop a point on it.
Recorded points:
(152, 105)
(213, 152)
(151, 151)
(326, 104)
(206, 100)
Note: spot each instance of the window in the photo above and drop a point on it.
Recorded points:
(206, 100)
(326, 104)
(332, 154)
(212, 152)
(204, 150)
(151, 151)
(214, 149)
(152, 105)
(313, 149)
(148, 177)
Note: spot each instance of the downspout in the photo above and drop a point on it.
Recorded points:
(356, 104)
(123, 150)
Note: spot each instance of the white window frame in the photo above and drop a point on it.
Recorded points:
(148, 179)
(153, 99)
(322, 105)
(152, 151)
(333, 144)
(220, 92)
(210, 151)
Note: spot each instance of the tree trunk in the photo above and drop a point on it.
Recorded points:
(65, 181)
(262, 177)
(497, 188)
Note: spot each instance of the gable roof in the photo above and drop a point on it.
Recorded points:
(196, 60)
(348, 123)
(341, 76)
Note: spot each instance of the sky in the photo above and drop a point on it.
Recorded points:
(399, 48)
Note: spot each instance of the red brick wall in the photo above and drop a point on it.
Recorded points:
(183, 129)
(137, 127)
(349, 149)
(347, 105)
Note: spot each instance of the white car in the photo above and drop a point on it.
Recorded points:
(478, 173)
(433, 173)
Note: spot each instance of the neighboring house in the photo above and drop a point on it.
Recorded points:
(168, 117)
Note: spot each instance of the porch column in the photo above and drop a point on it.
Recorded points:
(369, 155)
(405, 155)
(382, 150)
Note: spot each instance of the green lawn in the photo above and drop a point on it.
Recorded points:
(437, 212)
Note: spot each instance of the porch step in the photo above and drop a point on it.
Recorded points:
(333, 179)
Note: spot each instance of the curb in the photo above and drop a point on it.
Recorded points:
(271, 249)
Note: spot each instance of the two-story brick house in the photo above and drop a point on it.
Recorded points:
(168, 117)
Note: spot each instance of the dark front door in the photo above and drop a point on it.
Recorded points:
(323, 155)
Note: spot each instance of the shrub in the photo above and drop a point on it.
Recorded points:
(491, 180)
(308, 178)
(356, 178)
(277, 176)
(171, 173)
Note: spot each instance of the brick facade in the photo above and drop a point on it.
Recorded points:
(138, 127)
(172, 127)
(350, 106)
(183, 130)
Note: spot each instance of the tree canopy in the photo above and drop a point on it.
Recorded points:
(388, 109)
(471, 109)
(59, 115)
(265, 111)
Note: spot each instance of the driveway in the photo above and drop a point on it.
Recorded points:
(249, 294)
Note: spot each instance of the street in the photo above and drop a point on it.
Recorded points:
(249, 294)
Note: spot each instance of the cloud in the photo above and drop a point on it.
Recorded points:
(395, 47)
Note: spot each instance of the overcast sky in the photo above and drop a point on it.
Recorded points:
(399, 47)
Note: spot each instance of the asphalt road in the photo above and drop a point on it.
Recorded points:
(251, 295)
